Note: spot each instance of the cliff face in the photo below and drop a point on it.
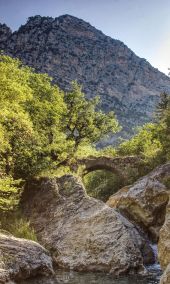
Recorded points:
(5, 33)
(68, 48)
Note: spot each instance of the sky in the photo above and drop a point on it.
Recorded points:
(143, 25)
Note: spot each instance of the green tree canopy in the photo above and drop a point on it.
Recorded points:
(84, 122)
(31, 109)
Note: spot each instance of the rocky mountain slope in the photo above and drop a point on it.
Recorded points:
(68, 48)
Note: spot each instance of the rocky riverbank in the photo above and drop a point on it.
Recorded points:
(85, 234)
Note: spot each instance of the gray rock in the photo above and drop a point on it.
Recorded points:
(145, 201)
(5, 33)
(164, 247)
(83, 233)
(165, 279)
(22, 259)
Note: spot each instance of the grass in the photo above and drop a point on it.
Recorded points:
(18, 226)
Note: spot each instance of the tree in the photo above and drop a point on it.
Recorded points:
(165, 130)
(152, 142)
(162, 105)
(84, 122)
(40, 126)
(146, 143)
(31, 109)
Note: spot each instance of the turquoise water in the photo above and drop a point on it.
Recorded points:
(63, 277)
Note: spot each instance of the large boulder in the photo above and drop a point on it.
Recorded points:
(145, 201)
(21, 259)
(165, 279)
(164, 247)
(83, 233)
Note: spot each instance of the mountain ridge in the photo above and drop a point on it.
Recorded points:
(68, 48)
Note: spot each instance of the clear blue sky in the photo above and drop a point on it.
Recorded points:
(143, 25)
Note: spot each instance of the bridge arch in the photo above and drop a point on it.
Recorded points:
(104, 176)
(116, 165)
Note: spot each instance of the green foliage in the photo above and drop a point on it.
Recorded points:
(22, 229)
(162, 106)
(30, 120)
(31, 132)
(9, 194)
(108, 151)
(152, 142)
(85, 123)
(17, 226)
(41, 127)
(165, 131)
(84, 151)
(102, 184)
(145, 144)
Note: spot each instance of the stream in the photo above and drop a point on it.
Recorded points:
(72, 277)
(63, 277)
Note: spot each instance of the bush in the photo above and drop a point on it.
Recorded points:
(102, 184)
(10, 191)
(18, 226)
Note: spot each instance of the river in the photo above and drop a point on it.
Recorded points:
(72, 277)
(63, 277)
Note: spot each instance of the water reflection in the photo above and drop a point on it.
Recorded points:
(63, 277)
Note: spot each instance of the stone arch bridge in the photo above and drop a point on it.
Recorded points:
(118, 165)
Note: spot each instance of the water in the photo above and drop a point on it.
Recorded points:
(71, 277)
(155, 251)
(155, 268)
